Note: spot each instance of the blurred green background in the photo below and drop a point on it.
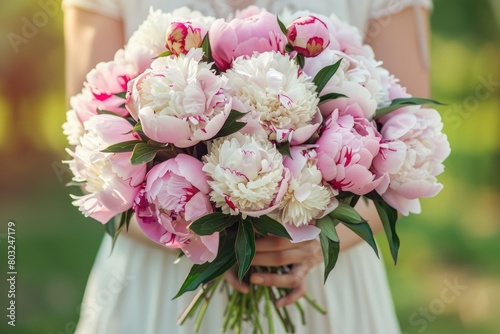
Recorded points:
(455, 242)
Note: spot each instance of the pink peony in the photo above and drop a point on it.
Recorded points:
(105, 81)
(184, 36)
(84, 105)
(308, 36)
(111, 181)
(148, 41)
(248, 10)
(175, 195)
(346, 148)
(412, 153)
(179, 100)
(243, 37)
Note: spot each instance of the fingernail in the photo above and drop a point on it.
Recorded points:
(257, 279)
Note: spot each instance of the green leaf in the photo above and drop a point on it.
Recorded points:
(346, 213)
(110, 227)
(143, 153)
(389, 217)
(364, 231)
(324, 75)
(231, 125)
(327, 227)
(284, 149)
(301, 60)
(114, 231)
(282, 26)
(126, 146)
(265, 225)
(123, 95)
(403, 102)
(354, 200)
(137, 127)
(164, 54)
(211, 223)
(205, 45)
(289, 48)
(204, 273)
(127, 216)
(107, 112)
(244, 248)
(330, 96)
(124, 222)
(331, 251)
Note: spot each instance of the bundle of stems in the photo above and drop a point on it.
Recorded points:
(248, 307)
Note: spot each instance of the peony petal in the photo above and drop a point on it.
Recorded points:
(198, 206)
(302, 233)
(118, 196)
(397, 126)
(90, 206)
(201, 249)
(192, 169)
(404, 205)
(163, 129)
(417, 189)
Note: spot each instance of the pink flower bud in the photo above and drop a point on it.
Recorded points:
(183, 36)
(308, 36)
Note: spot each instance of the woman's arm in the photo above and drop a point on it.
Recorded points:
(89, 39)
(401, 42)
(398, 42)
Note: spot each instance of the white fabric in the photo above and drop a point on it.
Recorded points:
(357, 12)
(131, 290)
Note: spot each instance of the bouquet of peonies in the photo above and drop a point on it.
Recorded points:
(216, 132)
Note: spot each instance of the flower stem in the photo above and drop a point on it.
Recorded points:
(229, 310)
(255, 310)
(269, 314)
(193, 306)
(208, 296)
(301, 311)
(314, 304)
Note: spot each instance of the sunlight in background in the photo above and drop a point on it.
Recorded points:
(4, 121)
(54, 111)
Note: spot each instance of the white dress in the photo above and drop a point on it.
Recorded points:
(131, 290)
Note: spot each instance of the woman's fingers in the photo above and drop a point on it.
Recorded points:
(294, 280)
(289, 280)
(309, 252)
(273, 244)
(293, 296)
(230, 277)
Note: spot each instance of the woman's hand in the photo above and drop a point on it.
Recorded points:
(275, 252)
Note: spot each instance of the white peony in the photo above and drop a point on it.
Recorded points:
(73, 128)
(111, 181)
(247, 175)
(179, 100)
(307, 198)
(272, 85)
